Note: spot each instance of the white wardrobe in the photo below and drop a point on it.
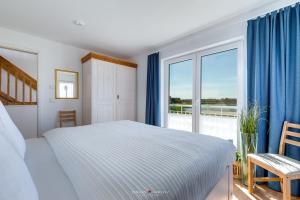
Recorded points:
(109, 89)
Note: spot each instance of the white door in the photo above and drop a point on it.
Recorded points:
(86, 92)
(203, 91)
(179, 83)
(125, 92)
(104, 88)
(217, 92)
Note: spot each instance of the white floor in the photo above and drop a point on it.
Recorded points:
(223, 127)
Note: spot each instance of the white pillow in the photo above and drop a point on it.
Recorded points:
(10, 132)
(15, 180)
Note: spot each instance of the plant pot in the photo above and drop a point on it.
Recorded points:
(236, 167)
(248, 146)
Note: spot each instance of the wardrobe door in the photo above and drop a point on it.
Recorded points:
(86, 92)
(104, 92)
(125, 92)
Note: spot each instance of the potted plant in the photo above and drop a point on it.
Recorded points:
(237, 166)
(248, 130)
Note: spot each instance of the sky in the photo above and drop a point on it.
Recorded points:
(218, 74)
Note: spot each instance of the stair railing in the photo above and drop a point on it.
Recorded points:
(19, 74)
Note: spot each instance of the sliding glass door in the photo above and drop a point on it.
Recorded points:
(203, 91)
(218, 88)
(180, 95)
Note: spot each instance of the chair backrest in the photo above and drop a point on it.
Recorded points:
(287, 135)
(67, 116)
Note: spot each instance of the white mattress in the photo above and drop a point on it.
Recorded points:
(125, 160)
(47, 174)
(54, 182)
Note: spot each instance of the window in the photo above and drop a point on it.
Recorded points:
(66, 84)
(180, 95)
(203, 91)
(218, 89)
(66, 89)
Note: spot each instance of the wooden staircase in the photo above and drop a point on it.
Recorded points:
(9, 88)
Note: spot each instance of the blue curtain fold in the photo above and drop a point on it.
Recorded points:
(273, 75)
(153, 91)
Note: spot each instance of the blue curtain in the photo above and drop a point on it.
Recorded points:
(273, 70)
(153, 91)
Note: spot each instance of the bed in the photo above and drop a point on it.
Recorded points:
(128, 160)
(121, 160)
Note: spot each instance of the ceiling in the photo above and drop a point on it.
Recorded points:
(117, 27)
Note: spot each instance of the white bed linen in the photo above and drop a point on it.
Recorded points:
(127, 160)
(48, 176)
(15, 180)
(10, 132)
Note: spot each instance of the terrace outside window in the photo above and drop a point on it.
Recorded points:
(202, 91)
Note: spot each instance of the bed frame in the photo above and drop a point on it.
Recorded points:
(223, 189)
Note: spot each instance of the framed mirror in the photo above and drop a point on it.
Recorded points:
(66, 84)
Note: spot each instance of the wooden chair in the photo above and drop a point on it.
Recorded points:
(67, 116)
(287, 169)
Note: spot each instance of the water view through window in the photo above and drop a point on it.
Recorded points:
(217, 85)
(180, 95)
(218, 110)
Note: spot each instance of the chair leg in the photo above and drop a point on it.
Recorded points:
(250, 176)
(286, 190)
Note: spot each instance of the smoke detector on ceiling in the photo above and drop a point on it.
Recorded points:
(79, 22)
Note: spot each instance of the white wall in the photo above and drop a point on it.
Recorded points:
(227, 30)
(25, 118)
(51, 55)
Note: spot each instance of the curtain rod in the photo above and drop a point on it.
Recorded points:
(277, 10)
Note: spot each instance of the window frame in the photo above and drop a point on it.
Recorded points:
(236, 43)
(240, 76)
(167, 86)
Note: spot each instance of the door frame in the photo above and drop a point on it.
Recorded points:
(35, 52)
(236, 43)
(240, 75)
(166, 85)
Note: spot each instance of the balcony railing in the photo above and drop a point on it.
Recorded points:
(212, 110)
(215, 120)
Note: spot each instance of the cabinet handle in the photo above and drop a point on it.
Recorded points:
(118, 96)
